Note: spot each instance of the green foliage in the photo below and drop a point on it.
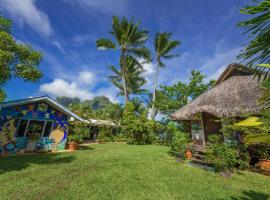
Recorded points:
(179, 143)
(229, 129)
(226, 158)
(16, 60)
(257, 27)
(75, 138)
(79, 129)
(134, 77)
(138, 129)
(215, 139)
(83, 111)
(260, 150)
(105, 134)
(171, 98)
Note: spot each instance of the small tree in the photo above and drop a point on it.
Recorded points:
(16, 59)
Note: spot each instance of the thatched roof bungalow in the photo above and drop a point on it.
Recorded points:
(236, 93)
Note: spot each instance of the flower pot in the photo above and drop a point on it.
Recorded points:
(264, 164)
(73, 146)
(188, 154)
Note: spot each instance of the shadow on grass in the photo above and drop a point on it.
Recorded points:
(85, 147)
(251, 195)
(17, 163)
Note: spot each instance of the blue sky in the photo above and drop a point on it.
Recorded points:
(65, 32)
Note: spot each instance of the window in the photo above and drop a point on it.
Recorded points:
(34, 129)
(48, 129)
(22, 127)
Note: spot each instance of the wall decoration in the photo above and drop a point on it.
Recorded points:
(31, 138)
(42, 107)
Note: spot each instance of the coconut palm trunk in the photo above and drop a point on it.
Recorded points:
(124, 77)
(163, 47)
(153, 111)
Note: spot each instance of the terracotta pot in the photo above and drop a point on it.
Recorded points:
(188, 154)
(73, 146)
(264, 164)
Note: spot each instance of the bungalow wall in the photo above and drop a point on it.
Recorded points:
(32, 127)
(211, 125)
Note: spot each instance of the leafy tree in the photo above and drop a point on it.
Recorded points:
(138, 105)
(171, 98)
(134, 80)
(163, 48)
(257, 50)
(16, 59)
(136, 128)
(66, 101)
(130, 40)
(83, 111)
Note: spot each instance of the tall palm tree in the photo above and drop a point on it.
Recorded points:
(134, 80)
(130, 40)
(163, 48)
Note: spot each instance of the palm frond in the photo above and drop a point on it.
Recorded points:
(105, 44)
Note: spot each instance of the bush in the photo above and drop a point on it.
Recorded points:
(105, 134)
(137, 129)
(226, 158)
(75, 138)
(179, 143)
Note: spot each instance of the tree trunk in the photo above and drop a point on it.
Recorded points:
(153, 112)
(123, 65)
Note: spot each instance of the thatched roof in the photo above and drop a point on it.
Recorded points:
(236, 93)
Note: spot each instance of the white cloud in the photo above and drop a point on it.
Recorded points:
(86, 77)
(79, 87)
(83, 38)
(214, 66)
(27, 12)
(60, 87)
(59, 46)
(104, 6)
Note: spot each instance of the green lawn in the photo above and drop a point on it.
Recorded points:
(119, 171)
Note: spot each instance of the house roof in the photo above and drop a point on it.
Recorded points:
(46, 99)
(235, 93)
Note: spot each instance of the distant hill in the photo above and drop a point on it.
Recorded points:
(96, 103)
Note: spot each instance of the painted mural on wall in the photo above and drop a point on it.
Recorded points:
(32, 127)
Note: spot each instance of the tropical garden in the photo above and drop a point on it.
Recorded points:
(145, 155)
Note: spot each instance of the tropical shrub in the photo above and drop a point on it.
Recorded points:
(105, 134)
(179, 143)
(225, 157)
(137, 129)
(75, 138)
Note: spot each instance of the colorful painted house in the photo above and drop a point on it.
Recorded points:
(34, 124)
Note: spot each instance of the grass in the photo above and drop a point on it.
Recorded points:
(119, 171)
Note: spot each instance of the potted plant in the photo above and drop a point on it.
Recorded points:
(73, 141)
(264, 158)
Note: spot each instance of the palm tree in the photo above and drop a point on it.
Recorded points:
(130, 40)
(134, 79)
(163, 47)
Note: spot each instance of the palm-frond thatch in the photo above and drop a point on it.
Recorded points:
(235, 95)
